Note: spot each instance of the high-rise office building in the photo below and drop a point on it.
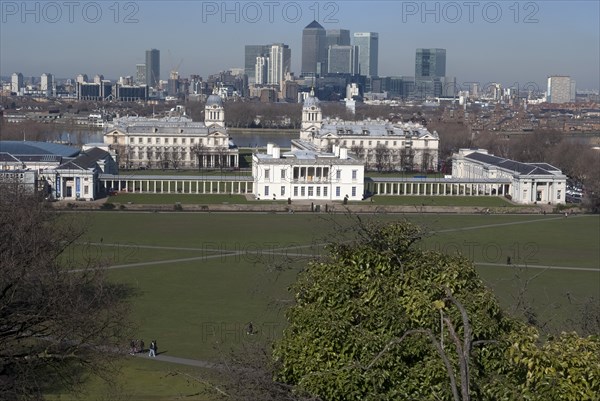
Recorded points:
(430, 63)
(16, 82)
(339, 37)
(430, 70)
(368, 53)
(140, 74)
(314, 50)
(261, 73)
(280, 63)
(47, 84)
(81, 78)
(561, 89)
(342, 59)
(250, 54)
(153, 68)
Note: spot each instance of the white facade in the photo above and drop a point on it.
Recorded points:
(261, 70)
(382, 145)
(307, 175)
(174, 142)
(561, 89)
(16, 82)
(47, 84)
(280, 59)
(530, 183)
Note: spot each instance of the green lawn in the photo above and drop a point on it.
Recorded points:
(165, 199)
(244, 263)
(141, 379)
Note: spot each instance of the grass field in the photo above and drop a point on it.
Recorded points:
(201, 277)
(165, 199)
(211, 199)
(483, 201)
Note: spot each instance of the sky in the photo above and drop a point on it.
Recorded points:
(516, 43)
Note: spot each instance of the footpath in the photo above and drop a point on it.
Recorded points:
(303, 207)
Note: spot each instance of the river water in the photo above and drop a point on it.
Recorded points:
(242, 140)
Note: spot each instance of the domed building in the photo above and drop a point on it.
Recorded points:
(381, 144)
(174, 141)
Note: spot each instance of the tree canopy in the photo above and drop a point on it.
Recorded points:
(59, 317)
(382, 319)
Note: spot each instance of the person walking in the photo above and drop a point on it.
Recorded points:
(152, 352)
(142, 345)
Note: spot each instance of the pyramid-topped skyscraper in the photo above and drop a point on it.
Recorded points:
(314, 50)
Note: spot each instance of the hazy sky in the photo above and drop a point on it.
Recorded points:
(503, 41)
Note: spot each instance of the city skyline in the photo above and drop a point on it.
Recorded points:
(518, 44)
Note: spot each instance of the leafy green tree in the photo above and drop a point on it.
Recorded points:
(381, 319)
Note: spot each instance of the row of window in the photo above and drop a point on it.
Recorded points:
(347, 142)
(309, 191)
(175, 141)
(311, 173)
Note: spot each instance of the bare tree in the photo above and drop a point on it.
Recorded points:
(175, 158)
(358, 150)
(407, 157)
(382, 157)
(221, 154)
(199, 150)
(60, 319)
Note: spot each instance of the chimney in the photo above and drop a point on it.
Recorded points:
(276, 152)
(343, 153)
(269, 148)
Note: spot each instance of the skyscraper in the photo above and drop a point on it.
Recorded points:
(430, 69)
(314, 50)
(561, 89)
(47, 84)
(342, 59)
(152, 68)
(430, 63)
(261, 70)
(280, 62)
(368, 53)
(250, 55)
(140, 74)
(16, 82)
(340, 37)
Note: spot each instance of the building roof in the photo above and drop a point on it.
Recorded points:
(306, 156)
(21, 148)
(515, 166)
(314, 25)
(85, 161)
(374, 128)
(214, 99)
(8, 158)
(311, 101)
(180, 126)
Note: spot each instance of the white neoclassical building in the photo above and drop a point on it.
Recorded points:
(77, 179)
(174, 141)
(528, 183)
(382, 145)
(307, 174)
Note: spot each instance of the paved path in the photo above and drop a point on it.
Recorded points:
(449, 230)
(182, 361)
(527, 266)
